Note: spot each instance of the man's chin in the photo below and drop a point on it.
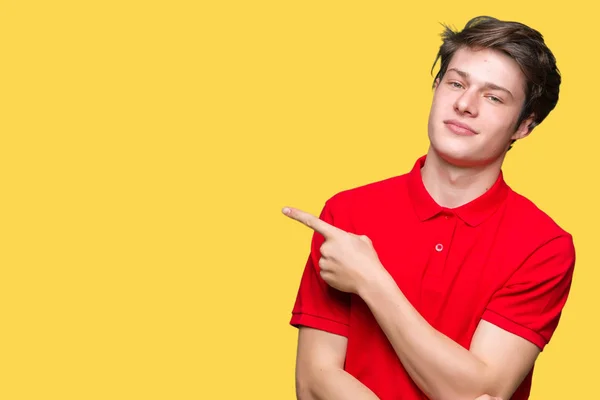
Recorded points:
(461, 158)
(467, 159)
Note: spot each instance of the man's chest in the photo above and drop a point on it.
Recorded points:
(447, 269)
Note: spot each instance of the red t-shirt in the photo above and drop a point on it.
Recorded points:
(497, 258)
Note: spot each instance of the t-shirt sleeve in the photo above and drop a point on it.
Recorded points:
(531, 302)
(317, 304)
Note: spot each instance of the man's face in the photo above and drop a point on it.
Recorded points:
(476, 106)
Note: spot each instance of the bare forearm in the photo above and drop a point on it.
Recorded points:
(335, 384)
(439, 366)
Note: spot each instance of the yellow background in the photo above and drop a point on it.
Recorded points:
(146, 151)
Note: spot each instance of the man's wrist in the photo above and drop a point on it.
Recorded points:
(375, 283)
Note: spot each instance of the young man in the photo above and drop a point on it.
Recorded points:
(442, 283)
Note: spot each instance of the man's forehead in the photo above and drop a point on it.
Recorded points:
(488, 65)
(488, 58)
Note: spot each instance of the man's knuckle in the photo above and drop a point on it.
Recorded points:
(324, 249)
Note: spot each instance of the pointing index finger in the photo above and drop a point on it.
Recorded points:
(312, 222)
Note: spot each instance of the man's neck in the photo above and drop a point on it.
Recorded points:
(451, 186)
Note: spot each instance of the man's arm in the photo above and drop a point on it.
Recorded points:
(320, 371)
(529, 304)
(496, 363)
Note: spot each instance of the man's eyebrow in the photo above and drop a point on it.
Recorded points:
(488, 85)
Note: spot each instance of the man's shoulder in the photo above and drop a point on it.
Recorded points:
(545, 248)
(534, 220)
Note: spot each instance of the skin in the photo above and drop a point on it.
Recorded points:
(459, 168)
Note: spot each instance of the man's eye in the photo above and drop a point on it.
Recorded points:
(456, 85)
(495, 99)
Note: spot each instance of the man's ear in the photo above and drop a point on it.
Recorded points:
(436, 83)
(524, 128)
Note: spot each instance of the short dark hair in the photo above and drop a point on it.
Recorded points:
(523, 44)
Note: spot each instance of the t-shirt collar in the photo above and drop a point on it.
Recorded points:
(472, 213)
